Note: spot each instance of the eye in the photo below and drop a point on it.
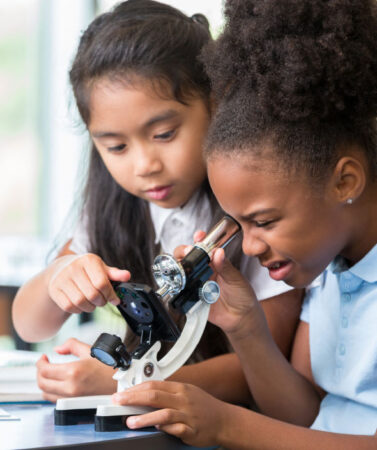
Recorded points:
(165, 136)
(262, 224)
(117, 148)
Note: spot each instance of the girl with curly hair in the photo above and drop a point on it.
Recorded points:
(292, 155)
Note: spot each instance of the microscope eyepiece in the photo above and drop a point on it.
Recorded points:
(220, 235)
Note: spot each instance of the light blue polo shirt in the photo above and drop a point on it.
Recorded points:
(341, 309)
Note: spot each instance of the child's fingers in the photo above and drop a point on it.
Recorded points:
(181, 251)
(169, 386)
(218, 259)
(63, 301)
(225, 268)
(99, 275)
(199, 235)
(62, 349)
(76, 296)
(50, 397)
(46, 370)
(161, 417)
(82, 282)
(116, 274)
(180, 430)
(74, 347)
(154, 398)
(55, 389)
(43, 359)
(89, 291)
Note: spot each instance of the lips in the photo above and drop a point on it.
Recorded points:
(279, 270)
(159, 192)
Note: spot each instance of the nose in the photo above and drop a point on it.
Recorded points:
(253, 246)
(146, 162)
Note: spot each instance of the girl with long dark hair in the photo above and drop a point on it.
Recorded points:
(144, 96)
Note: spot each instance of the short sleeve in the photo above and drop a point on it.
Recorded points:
(80, 238)
(310, 289)
(264, 286)
(305, 316)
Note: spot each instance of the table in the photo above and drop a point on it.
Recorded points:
(36, 430)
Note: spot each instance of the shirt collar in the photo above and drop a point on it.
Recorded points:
(159, 217)
(365, 269)
(186, 214)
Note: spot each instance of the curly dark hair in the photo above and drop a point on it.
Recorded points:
(300, 75)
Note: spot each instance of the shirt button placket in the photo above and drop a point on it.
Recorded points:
(345, 306)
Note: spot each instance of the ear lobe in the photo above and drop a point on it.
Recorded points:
(349, 179)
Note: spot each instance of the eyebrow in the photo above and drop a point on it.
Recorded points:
(101, 134)
(165, 115)
(251, 216)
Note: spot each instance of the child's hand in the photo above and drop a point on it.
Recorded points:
(181, 251)
(183, 410)
(237, 311)
(87, 376)
(80, 283)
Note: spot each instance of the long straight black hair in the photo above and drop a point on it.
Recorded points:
(158, 43)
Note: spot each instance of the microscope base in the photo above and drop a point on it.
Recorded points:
(73, 416)
(113, 417)
(75, 410)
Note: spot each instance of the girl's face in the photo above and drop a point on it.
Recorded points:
(151, 146)
(294, 231)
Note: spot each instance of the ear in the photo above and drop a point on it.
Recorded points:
(348, 179)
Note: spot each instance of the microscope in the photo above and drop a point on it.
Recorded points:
(183, 286)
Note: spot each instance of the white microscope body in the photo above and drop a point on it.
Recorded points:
(186, 287)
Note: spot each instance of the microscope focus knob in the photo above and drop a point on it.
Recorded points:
(209, 292)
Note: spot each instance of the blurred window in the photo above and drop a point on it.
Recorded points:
(20, 153)
(40, 143)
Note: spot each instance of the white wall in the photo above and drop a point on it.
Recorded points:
(61, 23)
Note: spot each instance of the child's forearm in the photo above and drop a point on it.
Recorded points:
(221, 376)
(247, 430)
(278, 389)
(35, 316)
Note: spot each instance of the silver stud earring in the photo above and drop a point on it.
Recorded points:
(349, 201)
